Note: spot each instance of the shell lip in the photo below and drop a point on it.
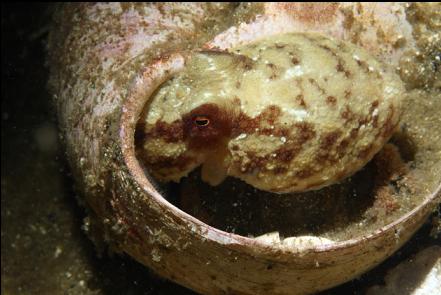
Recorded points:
(431, 199)
(144, 85)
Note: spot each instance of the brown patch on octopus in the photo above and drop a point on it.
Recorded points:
(306, 131)
(243, 61)
(389, 126)
(327, 49)
(315, 83)
(329, 139)
(273, 68)
(364, 153)
(299, 84)
(214, 51)
(282, 155)
(207, 126)
(254, 162)
(342, 147)
(280, 170)
(295, 60)
(354, 132)
(287, 152)
(327, 152)
(375, 121)
(347, 115)
(374, 118)
(363, 120)
(203, 128)
(374, 104)
(331, 100)
(340, 68)
(305, 173)
(246, 63)
(300, 99)
(340, 62)
(276, 131)
(363, 65)
(169, 132)
(248, 125)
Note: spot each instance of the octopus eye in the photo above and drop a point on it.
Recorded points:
(201, 121)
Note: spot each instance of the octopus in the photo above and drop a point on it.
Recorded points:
(285, 113)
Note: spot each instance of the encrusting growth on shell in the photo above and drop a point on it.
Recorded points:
(285, 113)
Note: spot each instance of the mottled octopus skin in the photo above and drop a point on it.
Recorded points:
(285, 113)
(98, 53)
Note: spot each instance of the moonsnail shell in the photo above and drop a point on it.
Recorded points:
(107, 60)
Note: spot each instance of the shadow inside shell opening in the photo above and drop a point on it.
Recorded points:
(366, 201)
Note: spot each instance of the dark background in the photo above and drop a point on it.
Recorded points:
(44, 250)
